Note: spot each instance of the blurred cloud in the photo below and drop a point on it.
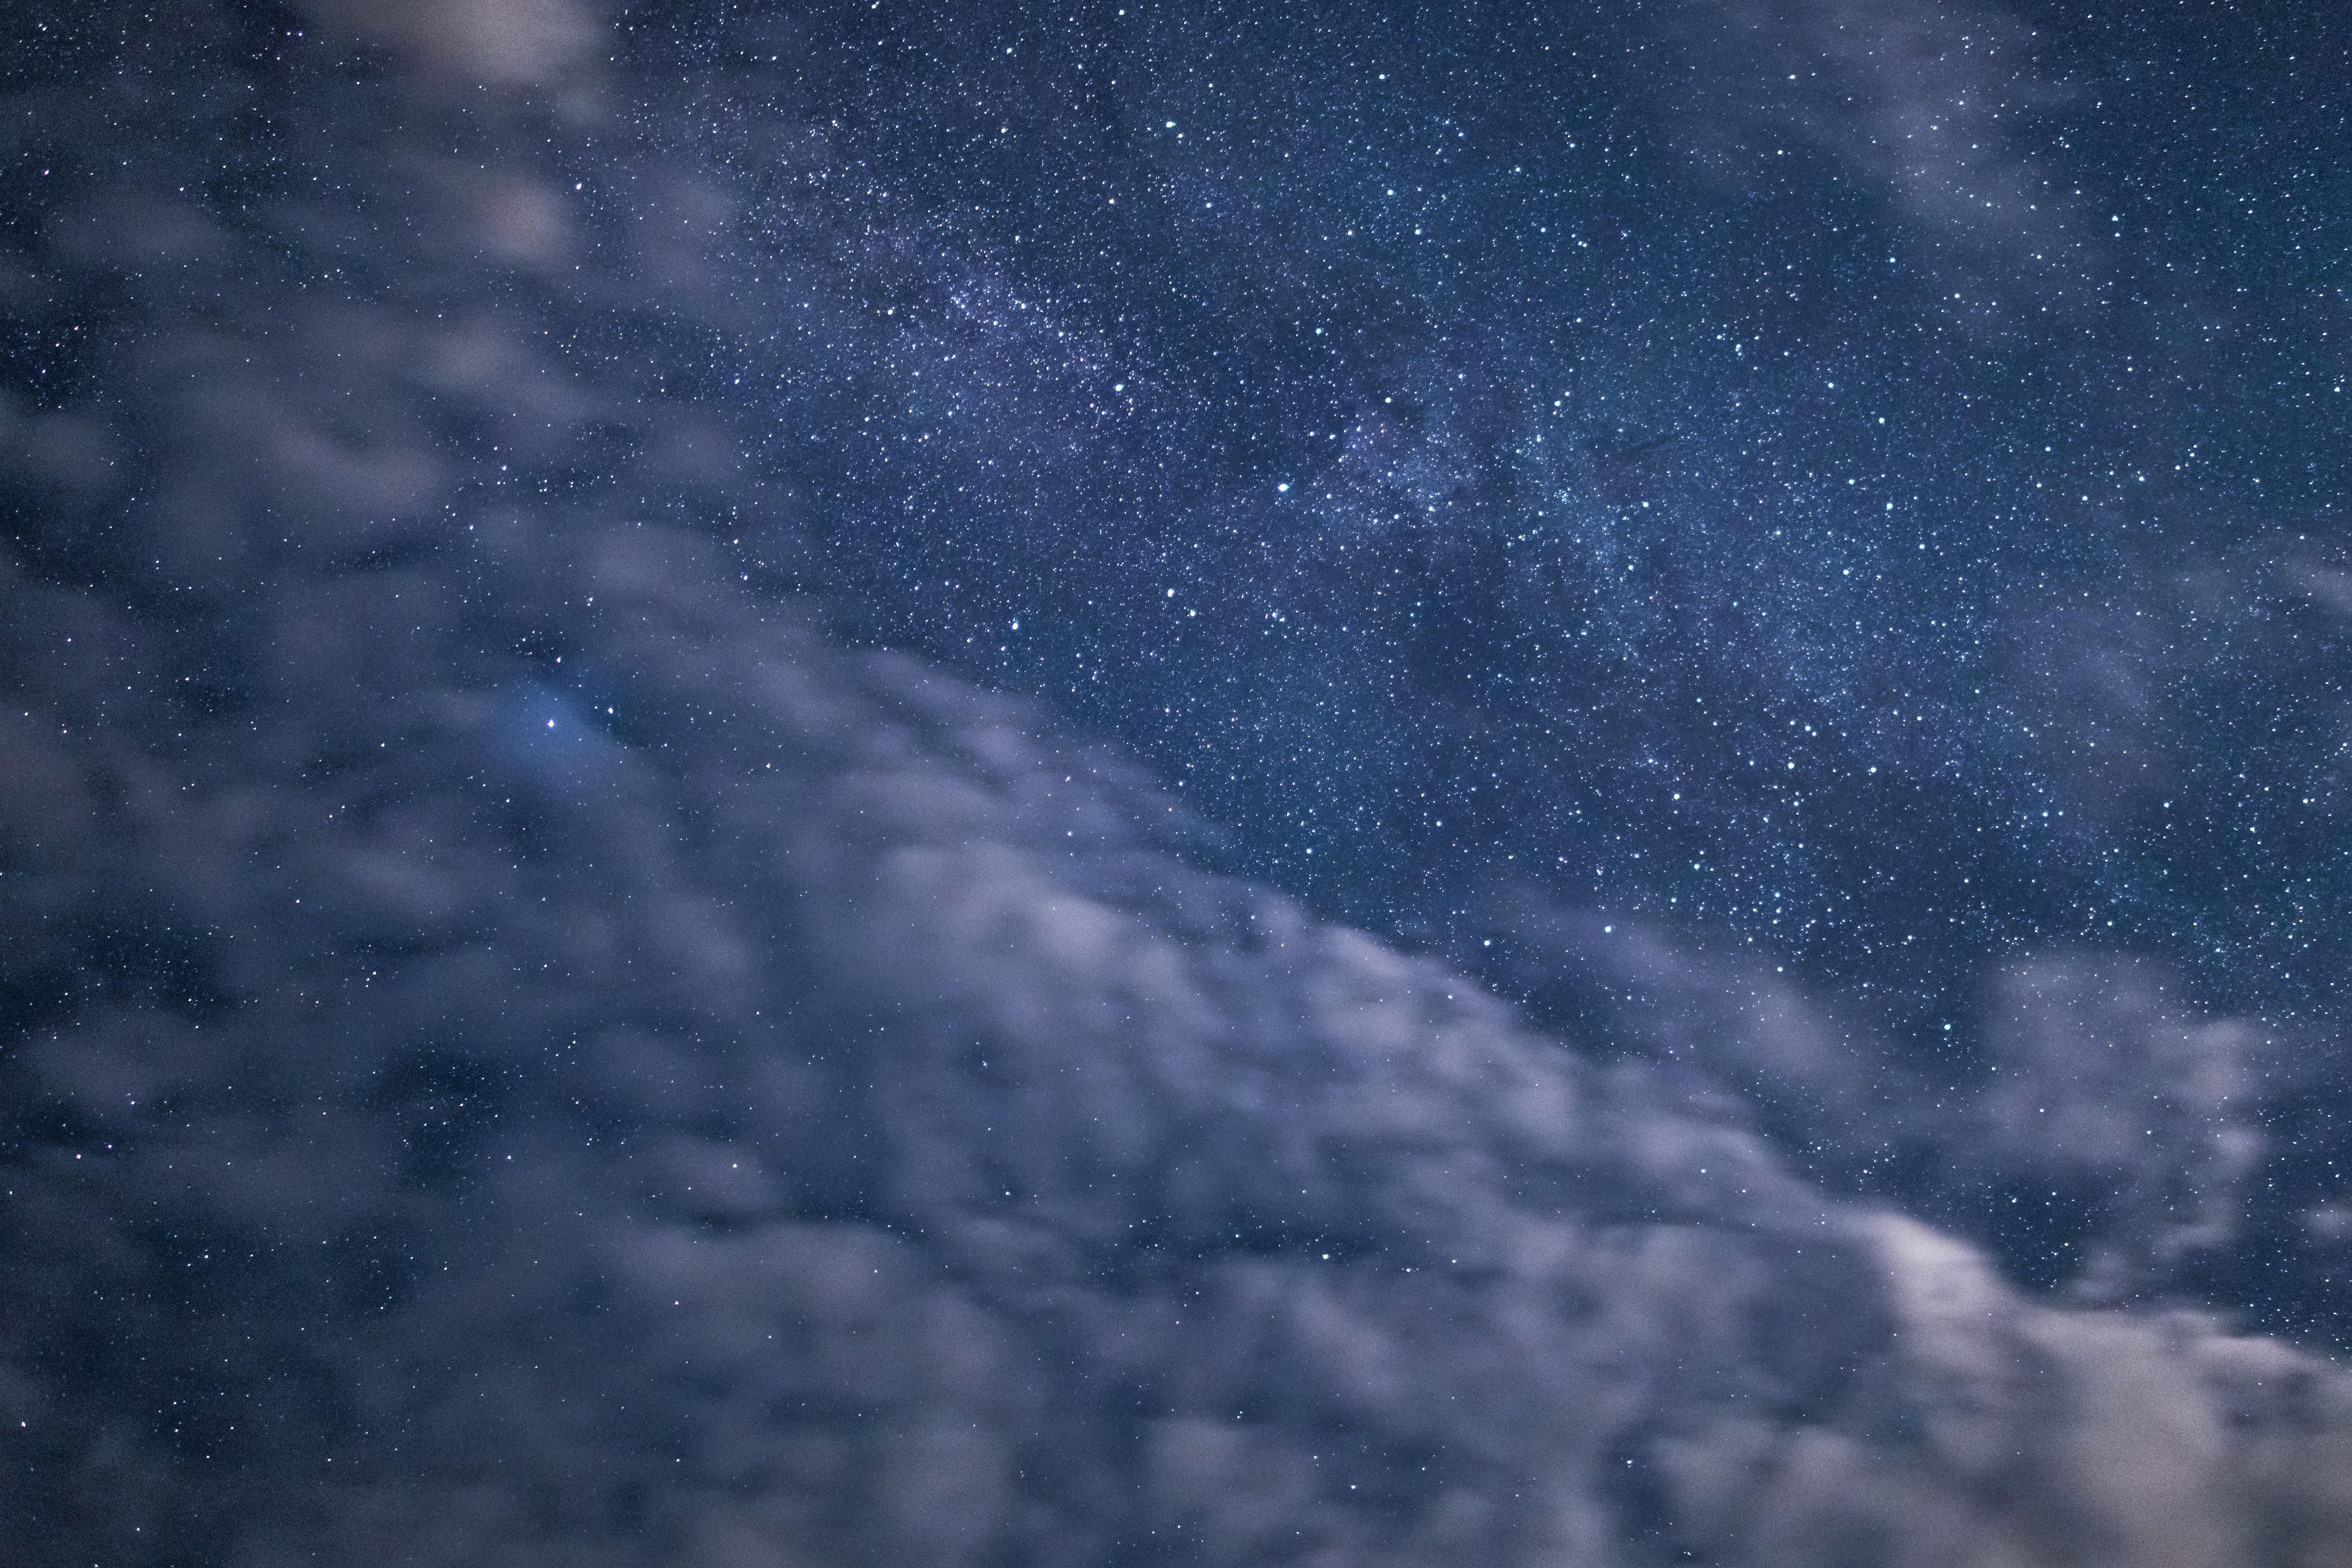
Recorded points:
(2101, 1084)
(2117, 1125)
(1933, 106)
(529, 43)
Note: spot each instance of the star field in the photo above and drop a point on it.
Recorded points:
(1111, 784)
(1843, 506)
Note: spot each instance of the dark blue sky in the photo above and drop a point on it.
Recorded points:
(758, 762)
(1870, 509)
(1856, 493)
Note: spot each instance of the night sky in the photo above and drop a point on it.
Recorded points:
(1884, 509)
(831, 784)
(1856, 488)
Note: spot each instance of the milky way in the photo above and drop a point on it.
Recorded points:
(1071, 785)
(1852, 487)
(1570, 441)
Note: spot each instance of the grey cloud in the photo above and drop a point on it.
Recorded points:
(1931, 104)
(813, 1140)
(526, 43)
(2103, 1081)
(2088, 1077)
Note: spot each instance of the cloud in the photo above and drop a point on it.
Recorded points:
(531, 43)
(848, 1122)
(2085, 1117)
(2101, 1084)
(1932, 105)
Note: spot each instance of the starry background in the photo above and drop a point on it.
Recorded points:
(1886, 504)
(1858, 488)
(1110, 784)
